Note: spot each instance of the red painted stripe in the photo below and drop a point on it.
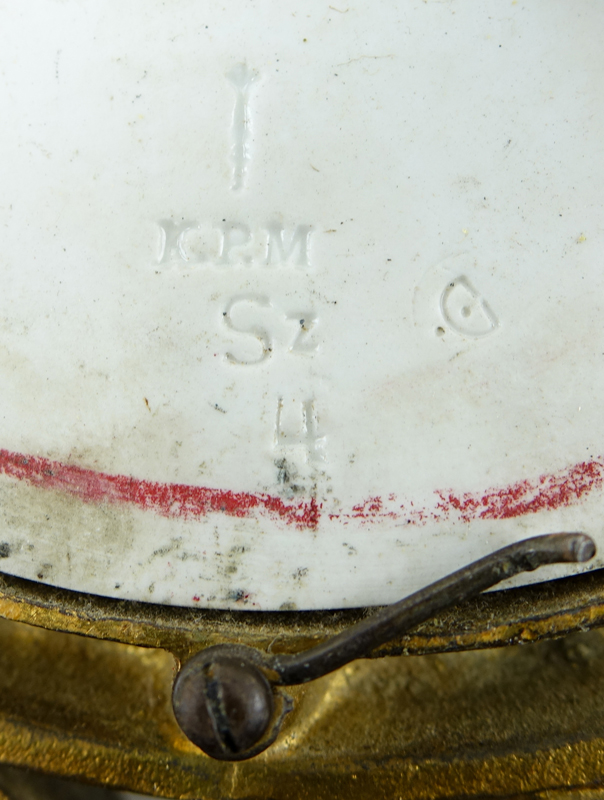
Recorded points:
(547, 493)
(561, 489)
(166, 499)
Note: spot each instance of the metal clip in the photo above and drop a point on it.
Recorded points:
(225, 697)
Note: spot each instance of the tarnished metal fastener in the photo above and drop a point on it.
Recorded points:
(225, 704)
(226, 698)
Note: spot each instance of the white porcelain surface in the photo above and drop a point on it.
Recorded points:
(301, 305)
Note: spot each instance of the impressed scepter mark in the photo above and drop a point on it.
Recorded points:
(242, 79)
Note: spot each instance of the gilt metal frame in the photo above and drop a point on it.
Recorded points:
(510, 721)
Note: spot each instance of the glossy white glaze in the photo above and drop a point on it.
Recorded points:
(325, 282)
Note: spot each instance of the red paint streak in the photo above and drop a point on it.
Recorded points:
(373, 508)
(547, 493)
(166, 499)
(561, 489)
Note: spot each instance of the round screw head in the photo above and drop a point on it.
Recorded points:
(223, 703)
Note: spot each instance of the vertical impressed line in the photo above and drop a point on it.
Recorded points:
(242, 79)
